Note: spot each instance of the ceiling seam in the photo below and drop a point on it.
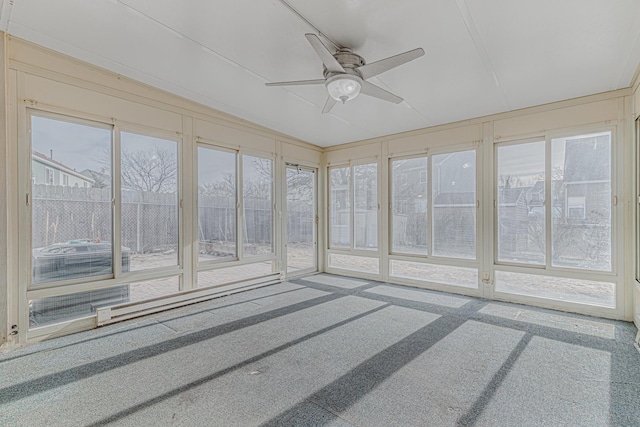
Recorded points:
(427, 121)
(463, 8)
(305, 20)
(205, 48)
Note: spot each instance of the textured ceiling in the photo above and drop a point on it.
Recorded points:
(482, 56)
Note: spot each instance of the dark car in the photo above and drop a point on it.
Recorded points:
(71, 260)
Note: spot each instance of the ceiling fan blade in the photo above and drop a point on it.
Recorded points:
(328, 105)
(297, 82)
(377, 92)
(327, 57)
(378, 67)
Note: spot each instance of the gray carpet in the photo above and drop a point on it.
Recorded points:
(331, 351)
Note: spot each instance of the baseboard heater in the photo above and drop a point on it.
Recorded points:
(127, 311)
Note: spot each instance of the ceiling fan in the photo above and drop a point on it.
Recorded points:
(345, 73)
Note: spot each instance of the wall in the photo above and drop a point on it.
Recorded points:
(633, 130)
(4, 201)
(45, 81)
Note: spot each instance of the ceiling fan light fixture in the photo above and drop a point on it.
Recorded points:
(343, 87)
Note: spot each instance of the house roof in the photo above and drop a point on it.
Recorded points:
(37, 156)
(509, 196)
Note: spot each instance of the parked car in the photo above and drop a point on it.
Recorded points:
(71, 260)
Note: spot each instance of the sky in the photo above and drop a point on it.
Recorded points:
(81, 146)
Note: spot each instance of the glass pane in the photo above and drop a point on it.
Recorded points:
(257, 176)
(409, 206)
(365, 199)
(72, 222)
(581, 193)
(301, 216)
(453, 192)
(217, 190)
(155, 288)
(445, 274)
(521, 211)
(557, 288)
(236, 273)
(339, 200)
(149, 181)
(61, 308)
(354, 263)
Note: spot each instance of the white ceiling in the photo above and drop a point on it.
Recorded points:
(482, 56)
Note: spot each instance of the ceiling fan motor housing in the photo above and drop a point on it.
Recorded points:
(350, 62)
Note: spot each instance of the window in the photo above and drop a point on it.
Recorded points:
(365, 197)
(48, 176)
(217, 196)
(453, 204)
(436, 218)
(409, 206)
(581, 181)
(257, 190)
(353, 201)
(576, 207)
(521, 235)
(65, 179)
(149, 189)
(71, 231)
(578, 214)
(340, 207)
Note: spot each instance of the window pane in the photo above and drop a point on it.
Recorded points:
(355, 263)
(217, 190)
(453, 192)
(581, 193)
(521, 211)
(61, 308)
(445, 274)
(409, 206)
(339, 200)
(72, 223)
(365, 196)
(149, 181)
(557, 288)
(155, 288)
(301, 216)
(257, 177)
(238, 273)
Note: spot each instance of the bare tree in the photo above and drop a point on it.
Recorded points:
(225, 187)
(149, 170)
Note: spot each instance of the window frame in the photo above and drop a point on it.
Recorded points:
(428, 155)
(547, 138)
(211, 145)
(351, 249)
(117, 277)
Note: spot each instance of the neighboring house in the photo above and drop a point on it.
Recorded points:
(454, 204)
(45, 170)
(587, 179)
(513, 233)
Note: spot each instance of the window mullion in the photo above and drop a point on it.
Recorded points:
(116, 205)
(548, 203)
